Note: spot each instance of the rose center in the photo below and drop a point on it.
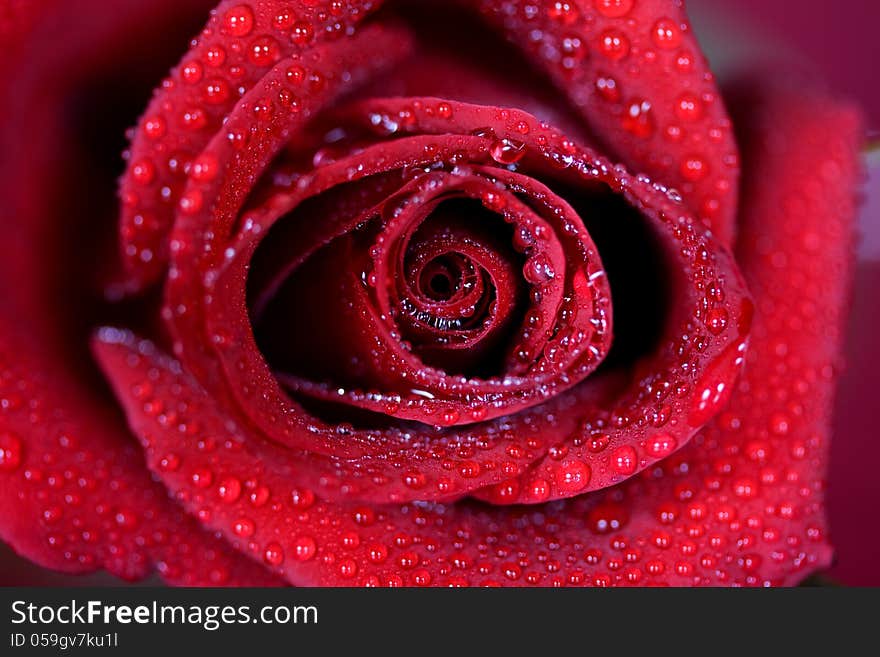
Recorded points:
(439, 281)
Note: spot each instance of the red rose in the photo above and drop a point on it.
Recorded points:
(414, 295)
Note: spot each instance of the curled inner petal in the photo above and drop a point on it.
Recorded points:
(560, 323)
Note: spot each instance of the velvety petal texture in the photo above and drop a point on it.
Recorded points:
(380, 311)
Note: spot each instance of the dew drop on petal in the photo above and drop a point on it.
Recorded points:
(613, 8)
(716, 385)
(229, 489)
(638, 119)
(507, 151)
(273, 554)
(661, 445)
(239, 20)
(624, 460)
(613, 44)
(244, 527)
(666, 33)
(304, 548)
(572, 477)
(10, 451)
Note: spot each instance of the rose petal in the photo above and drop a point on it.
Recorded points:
(76, 494)
(75, 491)
(238, 154)
(239, 46)
(635, 72)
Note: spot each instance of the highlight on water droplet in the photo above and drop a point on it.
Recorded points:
(714, 388)
(11, 451)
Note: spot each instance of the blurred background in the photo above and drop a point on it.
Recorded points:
(838, 42)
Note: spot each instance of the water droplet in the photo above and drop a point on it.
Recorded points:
(716, 320)
(169, 463)
(10, 451)
(143, 171)
(302, 498)
(283, 20)
(192, 72)
(638, 119)
(507, 151)
(563, 11)
(538, 490)
(304, 548)
(613, 44)
(191, 202)
(259, 496)
(598, 442)
(694, 168)
(215, 92)
(215, 56)
(662, 445)
(715, 386)
(688, 107)
(264, 51)
(478, 413)
(273, 554)
(538, 270)
(126, 519)
(239, 21)
(155, 127)
(624, 460)
(229, 489)
(607, 517)
(607, 89)
(666, 33)
(302, 33)
(202, 478)
(780, 424)
(572, 477)
(378, 553)
(204, 168)
(244, 527)
(613, 8)
(52, 514)
(348, 568)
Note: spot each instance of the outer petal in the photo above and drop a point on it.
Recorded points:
(234, 54)
(76, 495)
(73, 488)
(797, 253)
(635, 72)
(740, 505)
(647, 91)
